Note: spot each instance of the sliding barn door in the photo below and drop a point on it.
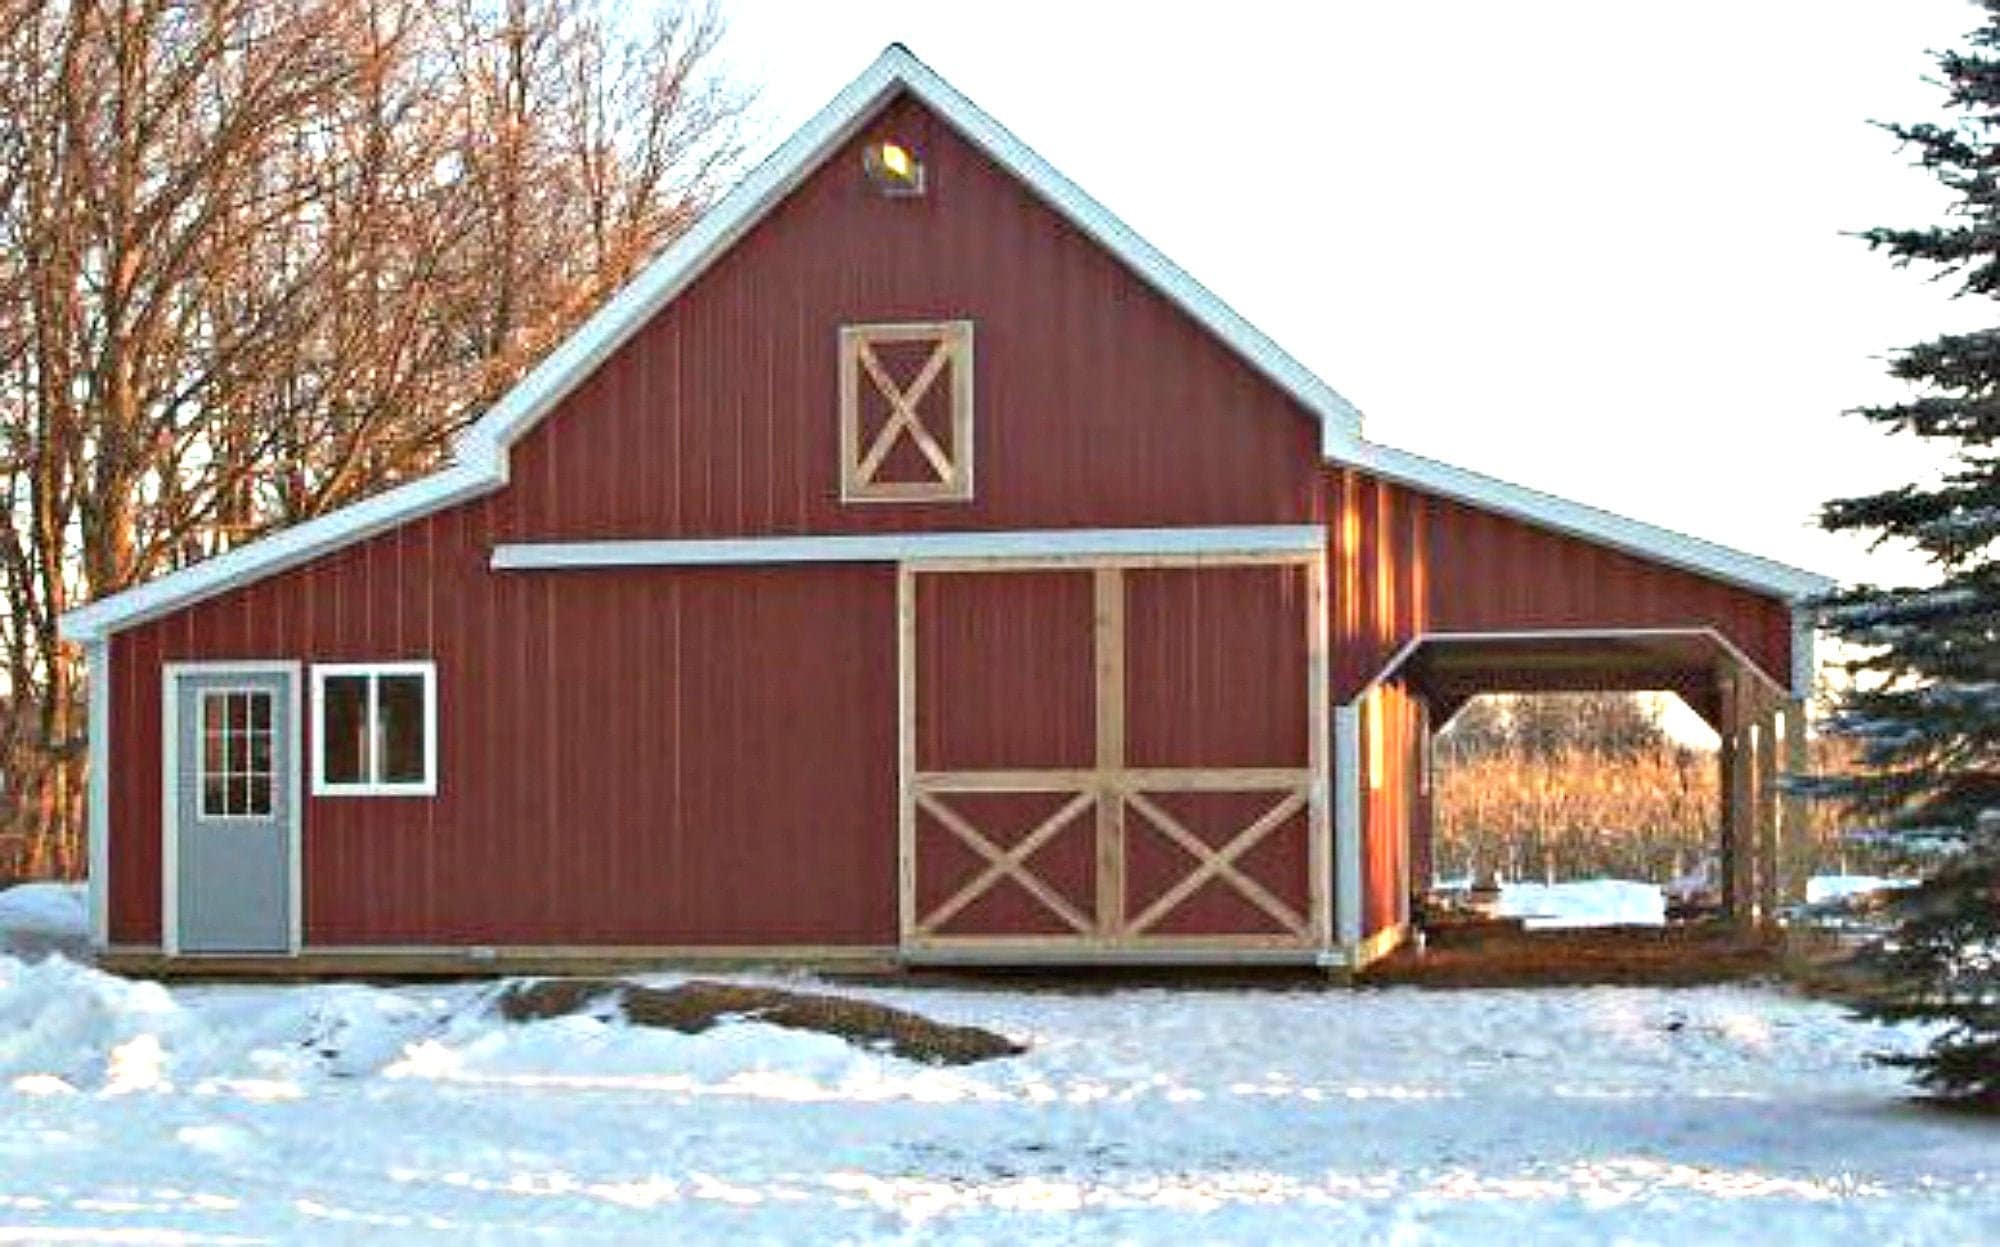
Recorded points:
(1112, 758)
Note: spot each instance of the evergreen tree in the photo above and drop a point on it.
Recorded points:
(1925, 705)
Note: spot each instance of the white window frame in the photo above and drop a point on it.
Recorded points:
(321, 785)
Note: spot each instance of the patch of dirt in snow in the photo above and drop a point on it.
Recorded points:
(700, 1004)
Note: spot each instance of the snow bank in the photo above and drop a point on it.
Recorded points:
(1584, 903)
(49, 910)
(63, 1023)
(351, 1113)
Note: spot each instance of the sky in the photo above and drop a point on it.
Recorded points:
(1601, 249)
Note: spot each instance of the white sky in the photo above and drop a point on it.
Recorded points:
(1596, 248)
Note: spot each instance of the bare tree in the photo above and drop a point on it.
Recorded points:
(261, 257)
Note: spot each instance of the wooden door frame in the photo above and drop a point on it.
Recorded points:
(171, 674)
(1108, 597)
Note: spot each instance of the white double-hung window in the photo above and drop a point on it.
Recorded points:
(374, 729)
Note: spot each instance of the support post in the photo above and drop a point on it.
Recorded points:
(1725, 786)
(1795, 847)
(1767, 814)
(1738, 780)
(1109, 616)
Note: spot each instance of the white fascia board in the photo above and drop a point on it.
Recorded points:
(285, 548)
(1660, 545)
(1303, 540)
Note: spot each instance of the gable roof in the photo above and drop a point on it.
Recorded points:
(479, 458)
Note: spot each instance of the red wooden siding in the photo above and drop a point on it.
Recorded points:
(1097, 402)
(1005, 671)
(1215, 667)
(1389, 806)
(653, 757)
(1403, 562)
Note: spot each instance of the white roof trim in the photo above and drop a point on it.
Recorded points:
(285, 548)
(1302, 540)
(1659, 545)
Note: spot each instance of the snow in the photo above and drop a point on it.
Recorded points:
(1584, 903)
(1824, 888)
(38, 918)
(337, 1112)
(1616, 902)
(59, 909)
(136, 1112)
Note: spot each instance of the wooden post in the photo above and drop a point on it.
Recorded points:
(1738, 803)
(906, 751)
(1767, 813)
(1796, 846)
(1725, 786)
(1110, 627)
(1319, 749)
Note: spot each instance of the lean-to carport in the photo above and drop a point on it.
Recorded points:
(1760, 723)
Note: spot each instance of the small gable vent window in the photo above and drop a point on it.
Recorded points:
(906, 412)
(893, 169)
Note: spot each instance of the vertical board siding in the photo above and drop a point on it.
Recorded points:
(664, 756)
(1096, 401)
(1005, 671)
(1402, 562)
(1389, 802)
(1214, 667)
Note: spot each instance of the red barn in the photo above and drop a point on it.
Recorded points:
(912, 563)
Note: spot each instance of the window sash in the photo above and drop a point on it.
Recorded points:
(374, 735)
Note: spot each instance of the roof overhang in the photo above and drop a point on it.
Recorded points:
(1649, 541)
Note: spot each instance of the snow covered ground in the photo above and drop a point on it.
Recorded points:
(133, 1113)
(1584, 903)
(1617, 902)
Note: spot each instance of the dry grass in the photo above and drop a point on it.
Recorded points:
(1646, 814)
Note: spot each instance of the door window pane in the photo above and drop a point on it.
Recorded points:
(237, 758)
